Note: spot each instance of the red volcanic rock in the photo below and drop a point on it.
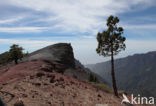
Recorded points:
(29, 68)
(52, 80)
(40, 74)
(19, 103)
(49, 89)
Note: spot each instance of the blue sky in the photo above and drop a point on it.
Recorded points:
(34, 24)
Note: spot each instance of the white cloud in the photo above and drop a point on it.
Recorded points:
(89, 37)
(22, 29)
(11, 20)
(32, 43)
(147, 26)
(79, 15)
(28, 44)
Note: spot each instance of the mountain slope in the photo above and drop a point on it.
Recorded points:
(50, 77)
(62, 53)
(37, 83)
(88, 71)
(134, 74)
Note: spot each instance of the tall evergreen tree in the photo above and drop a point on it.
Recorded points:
(110, 43)
(16, 53)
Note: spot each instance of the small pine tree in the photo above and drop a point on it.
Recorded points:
(16, 53)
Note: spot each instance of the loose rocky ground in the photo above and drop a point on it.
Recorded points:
(38, 83)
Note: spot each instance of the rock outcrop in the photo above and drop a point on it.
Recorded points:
(60, 52)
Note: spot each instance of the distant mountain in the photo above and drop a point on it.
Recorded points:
(134, 74)
(99, 78)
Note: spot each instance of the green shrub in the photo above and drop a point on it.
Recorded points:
(92, 78)
(102, 86)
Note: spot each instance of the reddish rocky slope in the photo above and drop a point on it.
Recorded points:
(38, 83)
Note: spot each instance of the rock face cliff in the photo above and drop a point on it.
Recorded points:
(60, 52)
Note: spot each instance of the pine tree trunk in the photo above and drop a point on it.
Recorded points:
(16, 61)
(113, 76)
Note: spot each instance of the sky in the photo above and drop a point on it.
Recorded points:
(34, 24)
